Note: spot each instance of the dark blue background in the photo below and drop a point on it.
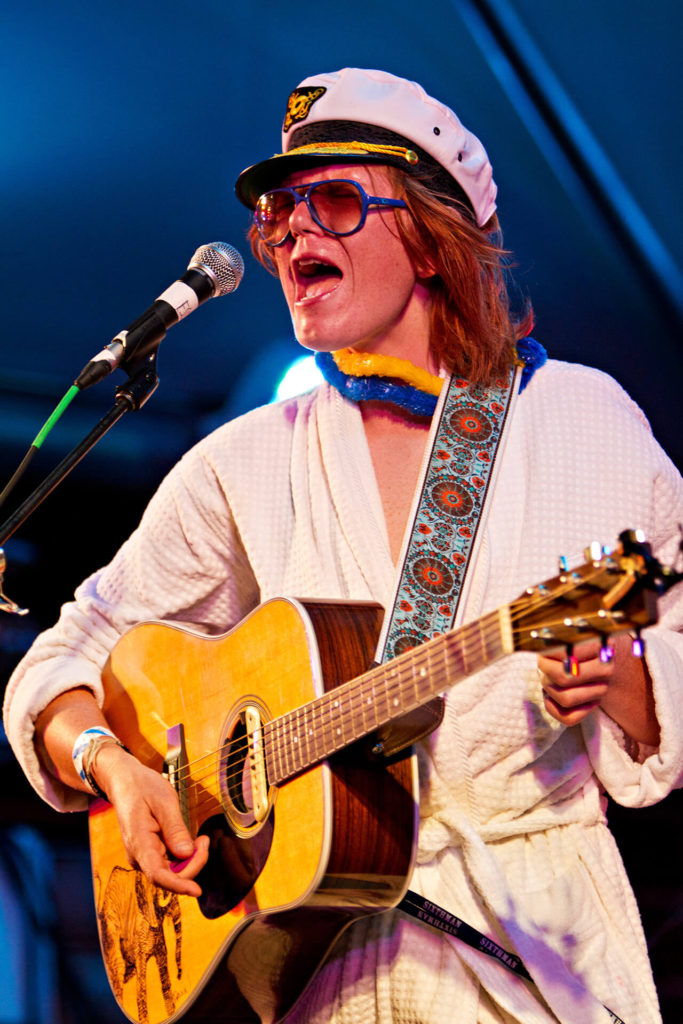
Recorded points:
(126, 125)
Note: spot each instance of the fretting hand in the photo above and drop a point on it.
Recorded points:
(621, 687)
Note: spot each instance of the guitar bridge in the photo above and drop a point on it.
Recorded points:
(175, 767)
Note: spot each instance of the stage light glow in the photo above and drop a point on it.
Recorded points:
(301, 375)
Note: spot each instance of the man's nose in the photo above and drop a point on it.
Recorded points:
(301, 220)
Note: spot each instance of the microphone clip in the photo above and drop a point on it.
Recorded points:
(142, 382)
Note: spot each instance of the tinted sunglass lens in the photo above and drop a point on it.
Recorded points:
(272, 214)
(337, 205)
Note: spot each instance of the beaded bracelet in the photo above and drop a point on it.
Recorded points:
(86, 748)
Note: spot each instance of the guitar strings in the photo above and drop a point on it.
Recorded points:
(392, 673)
(392, 680)
(392, 686)
(391, 669)
(389, 684)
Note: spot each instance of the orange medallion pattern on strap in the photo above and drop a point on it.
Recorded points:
(445, 527)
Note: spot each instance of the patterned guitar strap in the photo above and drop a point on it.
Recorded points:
(449, 512)
(440, 548)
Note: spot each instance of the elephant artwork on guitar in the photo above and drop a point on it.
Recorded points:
(136, 920)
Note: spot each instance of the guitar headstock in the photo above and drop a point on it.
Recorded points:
(614, 591)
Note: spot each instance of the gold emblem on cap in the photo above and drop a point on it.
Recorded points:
(299, 103)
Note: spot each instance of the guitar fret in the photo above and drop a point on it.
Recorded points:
(287, 743)
(401, 689)
(283, 745)
(440, 665)
(273, 773)
(421, 679)
(272, 752)
(455, 657)
(481, 640)
(374, 707)
(277, 754)
(368, 706)
(317, 729)
(319, 733)
(391, 688)
(304, 753)
(337, 721)
(347, 724)
(465, 652)
(381, 696)
(294, 745)
(493, 643)
(322, 737)
(354, 701)
(268, 751)
(492, 637)
(330, 731)
(306, 732)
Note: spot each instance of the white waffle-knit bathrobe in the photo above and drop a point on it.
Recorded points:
(512, 839)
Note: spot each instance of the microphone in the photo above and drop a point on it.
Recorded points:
(215, 269)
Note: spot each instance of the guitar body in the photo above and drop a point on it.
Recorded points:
(334, 842)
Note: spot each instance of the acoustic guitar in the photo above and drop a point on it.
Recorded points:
(273, 736)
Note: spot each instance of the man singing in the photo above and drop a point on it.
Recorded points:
(378, 219)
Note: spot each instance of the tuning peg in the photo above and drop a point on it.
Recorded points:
(606, 652)
(571, 662)
(594, 552)
(638, 646)
(562, 563)
(633, 542)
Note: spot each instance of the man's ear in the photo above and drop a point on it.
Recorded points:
(424, 267)
(424, 261)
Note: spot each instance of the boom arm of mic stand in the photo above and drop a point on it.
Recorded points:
(141, 385)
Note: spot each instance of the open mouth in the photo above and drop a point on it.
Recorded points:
(315, 277)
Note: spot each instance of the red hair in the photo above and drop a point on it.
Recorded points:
(473, 330)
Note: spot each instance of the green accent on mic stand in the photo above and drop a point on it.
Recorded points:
(49, 424)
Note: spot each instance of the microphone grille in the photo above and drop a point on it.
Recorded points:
(222, 263)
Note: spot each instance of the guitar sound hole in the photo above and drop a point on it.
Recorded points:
(235, 773)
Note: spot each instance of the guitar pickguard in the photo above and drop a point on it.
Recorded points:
(233, 866)
(240, 840)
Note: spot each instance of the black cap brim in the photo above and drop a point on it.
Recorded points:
(346, 142)
(267, 174)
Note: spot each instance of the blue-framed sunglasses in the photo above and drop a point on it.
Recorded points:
(339, 206)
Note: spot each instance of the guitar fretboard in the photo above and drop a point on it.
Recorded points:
(309, 734)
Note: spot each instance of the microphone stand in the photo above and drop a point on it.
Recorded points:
(141, 384)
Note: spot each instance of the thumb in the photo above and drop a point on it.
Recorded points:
(174, 834)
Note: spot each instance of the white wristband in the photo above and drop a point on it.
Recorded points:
(81, 747)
